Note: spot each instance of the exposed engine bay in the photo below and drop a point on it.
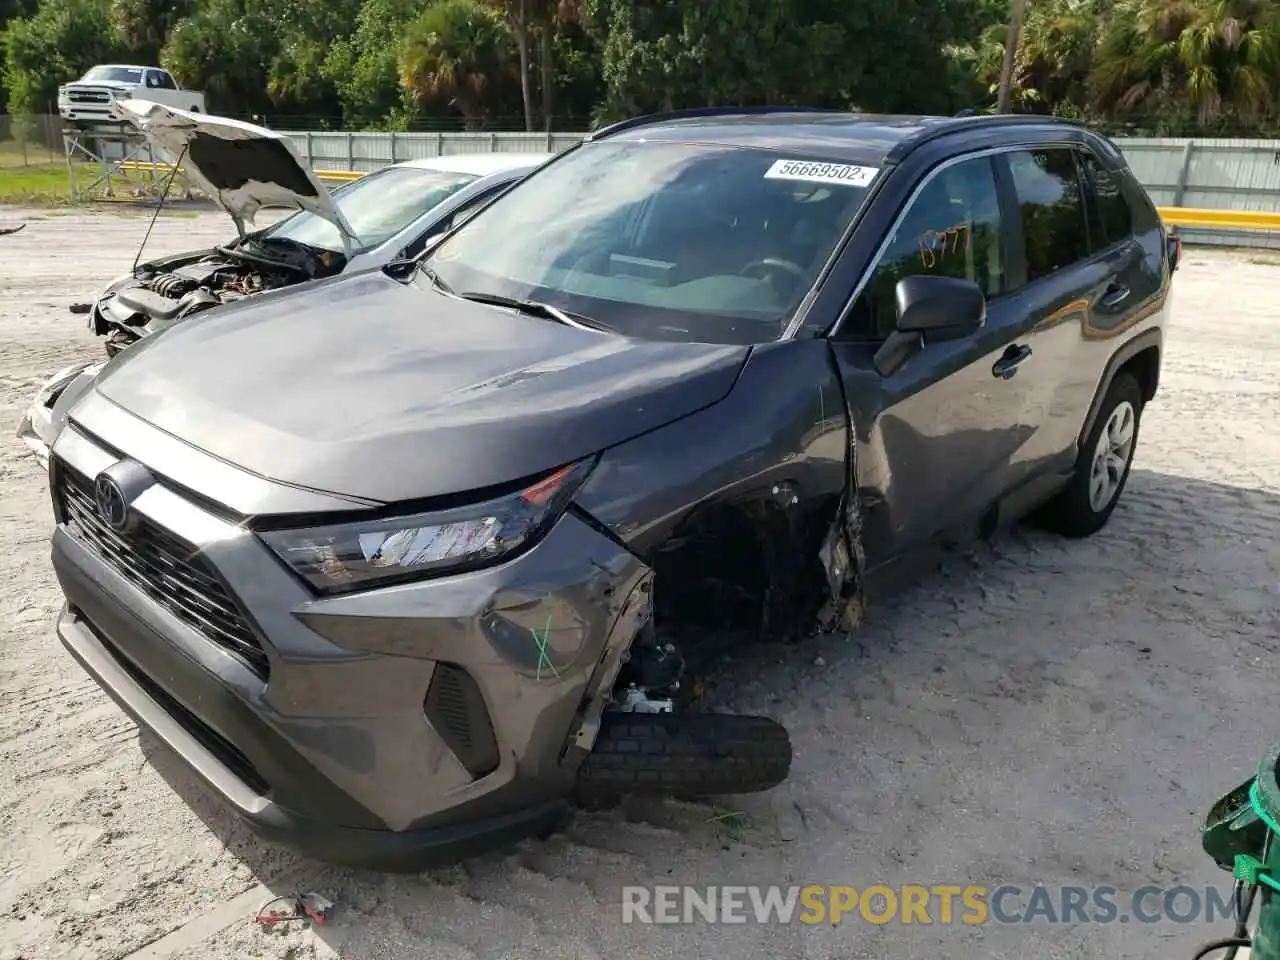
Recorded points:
(164, 292)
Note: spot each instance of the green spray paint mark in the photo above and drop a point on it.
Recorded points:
(540, 641)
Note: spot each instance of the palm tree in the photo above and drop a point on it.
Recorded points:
(1012, 38)
(1054, 55)
(551, 14)
(521, 16)
(456, 51)
(1058, 43)
(1219, 58)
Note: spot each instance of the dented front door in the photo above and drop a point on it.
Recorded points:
(937, 435)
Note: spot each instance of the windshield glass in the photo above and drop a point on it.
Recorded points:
(115, 74)
(674, 241)
(377, 206)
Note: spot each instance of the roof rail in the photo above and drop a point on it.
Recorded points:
(942, 128)
(695, 112)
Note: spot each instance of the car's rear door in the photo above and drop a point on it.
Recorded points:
(1087, 277)
(1064, 275)
(1129, 246)
(937, 435)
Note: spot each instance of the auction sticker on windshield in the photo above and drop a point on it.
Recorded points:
(817, 172)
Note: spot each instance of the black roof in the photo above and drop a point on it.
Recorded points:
(829, 134)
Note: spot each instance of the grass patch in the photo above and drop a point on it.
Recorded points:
(48, 185)
(12, 154)
(42, 185)
(730, 826)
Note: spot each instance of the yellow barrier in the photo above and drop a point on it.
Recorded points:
(141, 166)
(1220, 219)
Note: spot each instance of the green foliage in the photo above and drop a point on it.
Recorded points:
(226, 48)
(458, 54)
(363, 66)
(667, 54)
(1171, 65)
(58, 43)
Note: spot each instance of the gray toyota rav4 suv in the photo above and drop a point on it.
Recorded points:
(401, 561)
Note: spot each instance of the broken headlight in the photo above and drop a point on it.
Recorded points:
(366, 553)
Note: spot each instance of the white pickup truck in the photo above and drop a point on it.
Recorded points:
(92, 98)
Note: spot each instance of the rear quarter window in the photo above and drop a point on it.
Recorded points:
(1115, 218)
(1047, 185)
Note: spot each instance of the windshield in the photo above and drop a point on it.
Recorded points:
(115, 74)
(674, 241)
(377, 206)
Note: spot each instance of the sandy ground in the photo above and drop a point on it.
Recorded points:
(1036, 712)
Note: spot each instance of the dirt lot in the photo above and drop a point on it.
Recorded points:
(1037, 712)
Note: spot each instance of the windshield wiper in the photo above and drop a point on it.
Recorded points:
(429, 273)
(536, 308)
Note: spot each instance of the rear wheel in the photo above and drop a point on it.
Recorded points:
(1102, 469)
(685, 755)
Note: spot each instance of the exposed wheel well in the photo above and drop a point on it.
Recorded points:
(1145, 367)
(710, 575)
(746, 570)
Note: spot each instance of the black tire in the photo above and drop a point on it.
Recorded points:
(685, 754)
(1070, 513)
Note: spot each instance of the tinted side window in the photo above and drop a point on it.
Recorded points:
(952, 229)
(1048, 191)
(1116, 219)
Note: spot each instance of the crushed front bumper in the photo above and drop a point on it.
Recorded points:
(339, 739)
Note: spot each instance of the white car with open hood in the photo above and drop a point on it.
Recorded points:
(390, 214)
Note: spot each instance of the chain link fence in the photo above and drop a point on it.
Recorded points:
(30, 139)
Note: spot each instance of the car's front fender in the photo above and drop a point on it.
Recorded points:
(47, 414)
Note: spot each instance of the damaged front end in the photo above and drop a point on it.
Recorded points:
(164, 292)
(242, 168)
(47, 414)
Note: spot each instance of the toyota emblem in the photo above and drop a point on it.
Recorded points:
(111, 502)
(115, 490)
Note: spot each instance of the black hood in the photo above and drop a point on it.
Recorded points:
(366, 387)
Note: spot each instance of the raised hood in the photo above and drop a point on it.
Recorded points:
(366, 387)
(241, 166)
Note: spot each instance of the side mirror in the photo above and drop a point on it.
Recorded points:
(930, 309)
(939, 308)
(1173, 243)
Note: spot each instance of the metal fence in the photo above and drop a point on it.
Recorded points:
(1226, 174)
(30, 139)
(1215, 174)
(368, 151)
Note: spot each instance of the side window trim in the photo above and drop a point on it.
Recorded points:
(469, 208)
(874, 263)
(1094, 230)
(1093, 206)
(1011, 224)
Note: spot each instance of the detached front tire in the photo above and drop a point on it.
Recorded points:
(1102, 470)
(685, 754)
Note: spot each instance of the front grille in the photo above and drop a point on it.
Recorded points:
(456, 710)
(168, 570)
(87, 96)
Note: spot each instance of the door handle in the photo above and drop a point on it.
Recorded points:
(1007, 365)
(1115, 295)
